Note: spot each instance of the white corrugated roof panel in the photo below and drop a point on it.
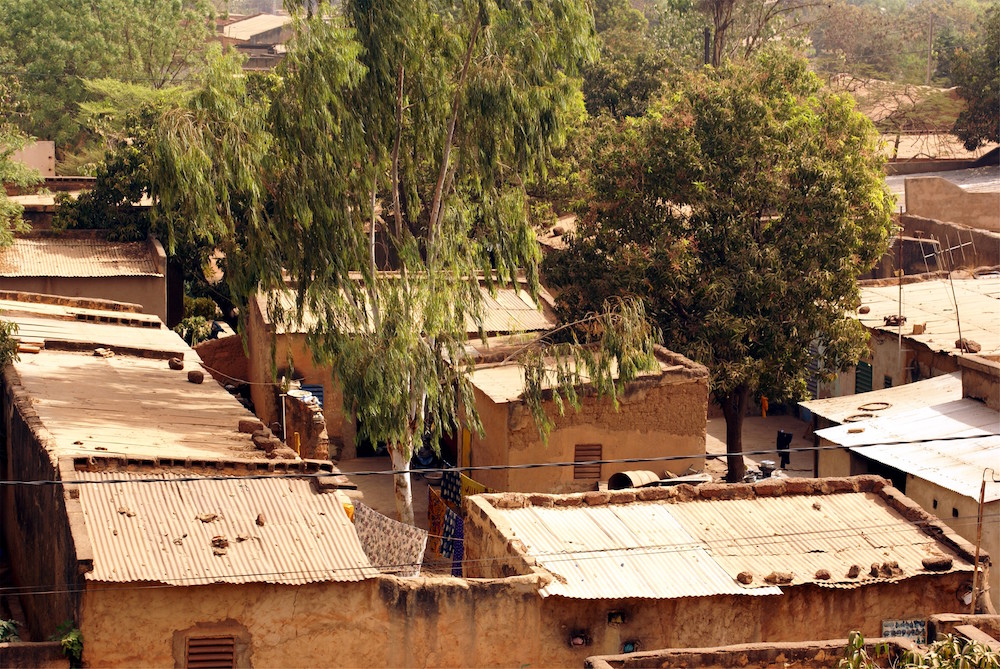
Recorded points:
(163, 531)
(76, 257)
(900, 399)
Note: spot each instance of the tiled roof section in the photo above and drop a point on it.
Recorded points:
(77, 257)
(932, 304)
(636, 550)
(183, 532)
(689, 541)
(888, 401)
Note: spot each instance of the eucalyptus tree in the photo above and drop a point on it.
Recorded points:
(742, 209)
(416, 122)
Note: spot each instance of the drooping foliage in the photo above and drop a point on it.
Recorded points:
(400, 136)
(741, 209)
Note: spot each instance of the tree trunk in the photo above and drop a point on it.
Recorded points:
(399, 454)
(734, 408)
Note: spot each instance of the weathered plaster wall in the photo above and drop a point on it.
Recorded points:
(986, 244)
(937, 198)
(38, 520)
(149, 291)
(37, 655)
(981, 380)
(463, 623)
(654, 419)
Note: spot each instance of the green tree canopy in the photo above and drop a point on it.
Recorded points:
(976, 72)
(741, 209)
(415, 120)
(54, 44)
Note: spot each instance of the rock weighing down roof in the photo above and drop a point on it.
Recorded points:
(127, 402)
(233, 530)
(76, 256)
(717, 539)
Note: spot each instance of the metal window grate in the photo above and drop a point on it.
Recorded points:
(585, 453)
(212, 652)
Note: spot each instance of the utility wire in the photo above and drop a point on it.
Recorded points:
(474, 468)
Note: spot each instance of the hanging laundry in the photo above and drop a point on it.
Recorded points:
(458, 547)
(437, 508)
(451, 522)
(451, 488)
(392, 547)
(472, 487)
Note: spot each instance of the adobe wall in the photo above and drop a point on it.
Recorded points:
(981, 380)
(225, 357)
(448, 622)
(149, 291)
(939, 199)
(37, 655)
(38, 520)
(655, 418)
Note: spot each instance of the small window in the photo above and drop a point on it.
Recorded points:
(863, 378)
(954, 512)
(587, 453)
(210, 652)
(887, 382)
(935, 503)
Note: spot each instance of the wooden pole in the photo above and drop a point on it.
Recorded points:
(979, 540)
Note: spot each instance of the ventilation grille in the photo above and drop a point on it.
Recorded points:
(586, 453)
(213, 652)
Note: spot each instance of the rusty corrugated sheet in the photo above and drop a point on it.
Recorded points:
(801, 534)
(629, 550)
(76, 257)
(164, 532)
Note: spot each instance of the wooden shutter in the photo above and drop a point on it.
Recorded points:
(211, 652)
(863, 378)
(585, 453)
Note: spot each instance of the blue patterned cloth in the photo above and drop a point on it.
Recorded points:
(458, 548)
(451, 488)
(451, 521)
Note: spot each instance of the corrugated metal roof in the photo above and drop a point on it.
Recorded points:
(954, 465)
(931, 303)
(901, 399)
(600, 553)
(76, 257)
(152, 531)
(802, 534)
(698, 548)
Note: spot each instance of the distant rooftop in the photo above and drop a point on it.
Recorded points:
(964, 439)
(78, 256)
(127, 402)
(693, 542)
(889, 401)
(512, 310)
(931, 303)
(245, 29)
(973, 179)
(504, 382)
(233, 530)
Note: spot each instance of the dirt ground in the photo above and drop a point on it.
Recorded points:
(760, 443)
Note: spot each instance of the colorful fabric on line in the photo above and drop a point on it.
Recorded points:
(436, 511)
(471, 487)
(451, 521)
(392, 547)
(458, 547)
(451, 488)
